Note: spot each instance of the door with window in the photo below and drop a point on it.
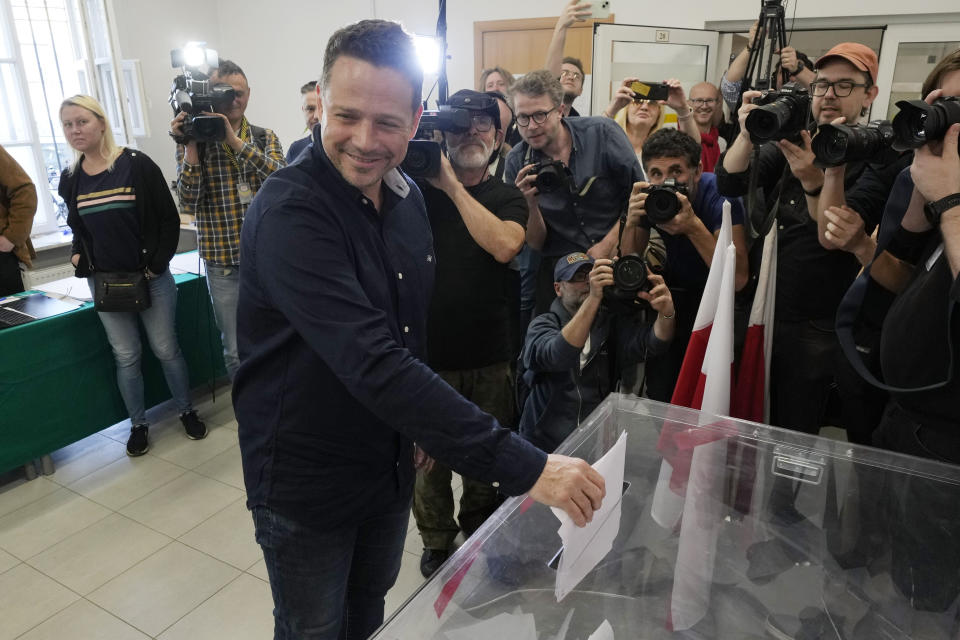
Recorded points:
(910, 52)
(650, 53)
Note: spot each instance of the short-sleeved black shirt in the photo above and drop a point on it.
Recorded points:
(468, 325)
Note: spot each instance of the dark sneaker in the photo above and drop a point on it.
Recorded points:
(193, 425)
(431, 560)
(138, 444)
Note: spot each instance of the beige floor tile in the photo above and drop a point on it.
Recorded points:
(7, 561)
(85, 621)
(225, 467)
(42, 524)
(84, 457)
(259, 570)
(408, 581)
(241, 610)
(102, 551)
(163, 588)
(181, 504)
(28, 598)
(172, 445)
(22, 492)
(120, 483)
(227, 536)
(219, 413)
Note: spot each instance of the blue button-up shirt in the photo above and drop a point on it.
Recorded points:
(332, 392)
(604, 167)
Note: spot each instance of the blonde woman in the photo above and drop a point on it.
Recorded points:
(640, 118)
(124, 220)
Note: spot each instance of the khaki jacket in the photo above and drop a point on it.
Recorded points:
(18, 204)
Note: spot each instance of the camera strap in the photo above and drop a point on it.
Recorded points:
(849, 309)
(767, 222)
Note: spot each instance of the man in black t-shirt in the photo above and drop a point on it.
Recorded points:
(478, 225)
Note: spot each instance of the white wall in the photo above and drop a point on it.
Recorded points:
(280, 43)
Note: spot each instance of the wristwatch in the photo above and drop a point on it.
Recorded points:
(933, 210)
(800, 67)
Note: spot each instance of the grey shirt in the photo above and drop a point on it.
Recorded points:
(578, 218)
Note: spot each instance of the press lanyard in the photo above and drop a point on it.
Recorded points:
(229, 151)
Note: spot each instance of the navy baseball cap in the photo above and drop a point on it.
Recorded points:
(476, 101)
(569, 264)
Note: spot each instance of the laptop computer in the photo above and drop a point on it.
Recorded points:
(21, 310)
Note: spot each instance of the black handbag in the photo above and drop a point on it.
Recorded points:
(120, 291)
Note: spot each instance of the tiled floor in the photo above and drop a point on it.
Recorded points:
(161, 546)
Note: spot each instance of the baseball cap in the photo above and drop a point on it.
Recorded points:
(569, 264)
(476, 101)
(859, 55)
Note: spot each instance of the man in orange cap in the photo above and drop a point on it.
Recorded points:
(811, 279)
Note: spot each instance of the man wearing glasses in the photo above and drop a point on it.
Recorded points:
(598, 170)
(478, 227)
(811, 280)
(707, 108)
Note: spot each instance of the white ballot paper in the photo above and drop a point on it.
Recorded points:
(584, 547)
(515, 626)
(71, 287)
(603, 632)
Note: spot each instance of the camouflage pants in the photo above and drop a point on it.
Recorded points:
(491, 389)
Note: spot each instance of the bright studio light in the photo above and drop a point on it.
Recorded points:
(428, 53)
(194, 55)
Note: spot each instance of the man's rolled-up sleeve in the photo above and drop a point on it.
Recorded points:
(308, 272)
(267, 161)
(189, 183)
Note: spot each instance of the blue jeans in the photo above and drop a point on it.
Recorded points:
(330, 585)
(223, 282)
(159, 321)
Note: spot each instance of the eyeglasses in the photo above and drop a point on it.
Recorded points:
(580, 276)
(703, 102)
(539, 117)
(576, 75)
(482, 122)
(841, 88)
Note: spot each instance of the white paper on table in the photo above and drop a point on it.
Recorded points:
(519, 626)
(76, 288)
(603, 632)
(585, 547)
(188, 262)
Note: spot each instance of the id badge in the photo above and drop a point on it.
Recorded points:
(244, 192)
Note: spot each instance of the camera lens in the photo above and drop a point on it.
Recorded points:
(630, 273)
(549, 179)
(661, 205)
(838, 144)
(766, 122)
(919, 122)
(208, 129)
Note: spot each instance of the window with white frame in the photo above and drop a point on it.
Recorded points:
(50, 50)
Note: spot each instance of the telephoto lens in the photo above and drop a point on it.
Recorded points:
(919, 122)
(779, 114)
(837, 144)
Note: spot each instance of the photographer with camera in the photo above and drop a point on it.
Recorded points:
(216, 182)
(574, 353)
(810, 279)
(682, 202)
(478, 228)
(575, 173)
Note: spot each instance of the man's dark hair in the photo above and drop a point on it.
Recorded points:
(949, 64)
(671, 143)
(378, 42)
(575, 62)
(229, 68)
(310, 87)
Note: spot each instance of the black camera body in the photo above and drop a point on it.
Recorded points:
(918, 122)
(662, 203)
(629, 277)
(837, 144)
(194, 97)
(423, 153)
(552, 175)
(779, 114)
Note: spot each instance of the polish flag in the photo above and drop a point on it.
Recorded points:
(689, 391)
(751, 399)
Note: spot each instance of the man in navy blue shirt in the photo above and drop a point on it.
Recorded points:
(690, 237)
(332, 392)
(311, 116)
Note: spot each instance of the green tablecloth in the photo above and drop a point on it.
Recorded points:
(58, 379)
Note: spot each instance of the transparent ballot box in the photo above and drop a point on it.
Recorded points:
(720, 528)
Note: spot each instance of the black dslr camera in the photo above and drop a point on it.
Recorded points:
(662, 203)
(629, 277)
(779, 114)
(193, 93)
(552, 176)
(423, 153)
(837, 144)
(918, 122)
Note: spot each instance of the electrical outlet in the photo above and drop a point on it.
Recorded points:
(663, 35)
